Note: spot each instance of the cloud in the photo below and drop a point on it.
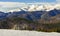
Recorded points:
(7, 6)
(58, 1)
(11, 4)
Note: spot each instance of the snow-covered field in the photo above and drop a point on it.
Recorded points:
(26, 33)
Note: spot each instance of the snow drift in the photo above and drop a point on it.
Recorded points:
(26, 33)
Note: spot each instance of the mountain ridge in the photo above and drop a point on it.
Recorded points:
(26, 7)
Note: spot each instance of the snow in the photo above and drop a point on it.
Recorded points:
(26, 33)
(17, 6)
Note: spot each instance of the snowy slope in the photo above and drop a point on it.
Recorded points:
(26, 33)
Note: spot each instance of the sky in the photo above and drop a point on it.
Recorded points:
(26, 1)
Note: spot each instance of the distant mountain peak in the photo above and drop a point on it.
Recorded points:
(11, 7)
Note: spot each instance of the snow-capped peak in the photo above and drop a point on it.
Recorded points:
(46, 7)
(14, 10)
(11, 7)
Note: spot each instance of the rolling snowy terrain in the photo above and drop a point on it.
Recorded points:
(26, 33)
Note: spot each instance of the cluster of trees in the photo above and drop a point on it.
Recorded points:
(18, 23)
(49, 27)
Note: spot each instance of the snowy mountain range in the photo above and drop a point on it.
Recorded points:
(17, 6)
(34, 12)
(29, 16)
(31, 7)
